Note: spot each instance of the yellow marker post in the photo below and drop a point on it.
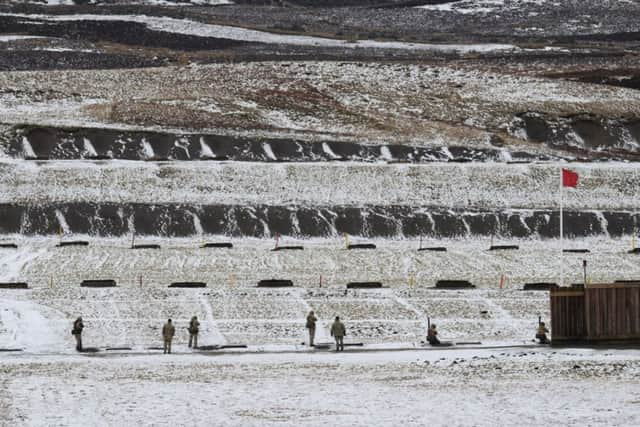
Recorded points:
(232, 280)
(346, 241)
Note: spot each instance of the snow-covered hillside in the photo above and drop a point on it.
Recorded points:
(472, 186)
(391, 103)
(234, 311)
(135, 136)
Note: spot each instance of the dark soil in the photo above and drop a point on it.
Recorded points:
(19, 60)
(172, 220)
(127, 33)
(68, 143)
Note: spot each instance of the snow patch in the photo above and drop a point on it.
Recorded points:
(147, 149)
(386, 153)
(268, 151)
(27, 148)
(10, 37)
(31, 326)
(189, 27)
(329, 151)
(89, 149)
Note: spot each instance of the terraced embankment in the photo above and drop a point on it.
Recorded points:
(233, 310)
(109, 198)
(184, 125)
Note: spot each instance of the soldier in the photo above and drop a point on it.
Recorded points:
(78, 326)
(194, 328)
(168, 331)
(432, 335)
(311, 326)
(541, 334)
(338, 331)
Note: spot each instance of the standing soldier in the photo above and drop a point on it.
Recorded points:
(194, 328)
(168, 331)
(338, 331)
(541, 334)
(311, 326)
(78, 326)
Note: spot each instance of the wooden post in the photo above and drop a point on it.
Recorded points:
(140, 278)
(321, 280)
(584, 267)
(420, 243)
(539, 323)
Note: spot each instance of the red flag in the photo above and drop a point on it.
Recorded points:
(569, 178)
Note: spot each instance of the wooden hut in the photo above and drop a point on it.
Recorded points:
(597, 314)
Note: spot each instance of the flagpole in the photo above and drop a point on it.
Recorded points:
(561, 231)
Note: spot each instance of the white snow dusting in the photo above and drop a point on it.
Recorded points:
(189, 27)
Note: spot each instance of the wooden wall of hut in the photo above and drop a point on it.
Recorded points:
(599, 313)
(567, 314)
(613, 312)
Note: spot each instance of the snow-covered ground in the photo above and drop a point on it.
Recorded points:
(612, 186)
(392, 379)
(484, 6)
(363, 102)
(250, 260)
(443, 388)
(232, 310)
(10, 38)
